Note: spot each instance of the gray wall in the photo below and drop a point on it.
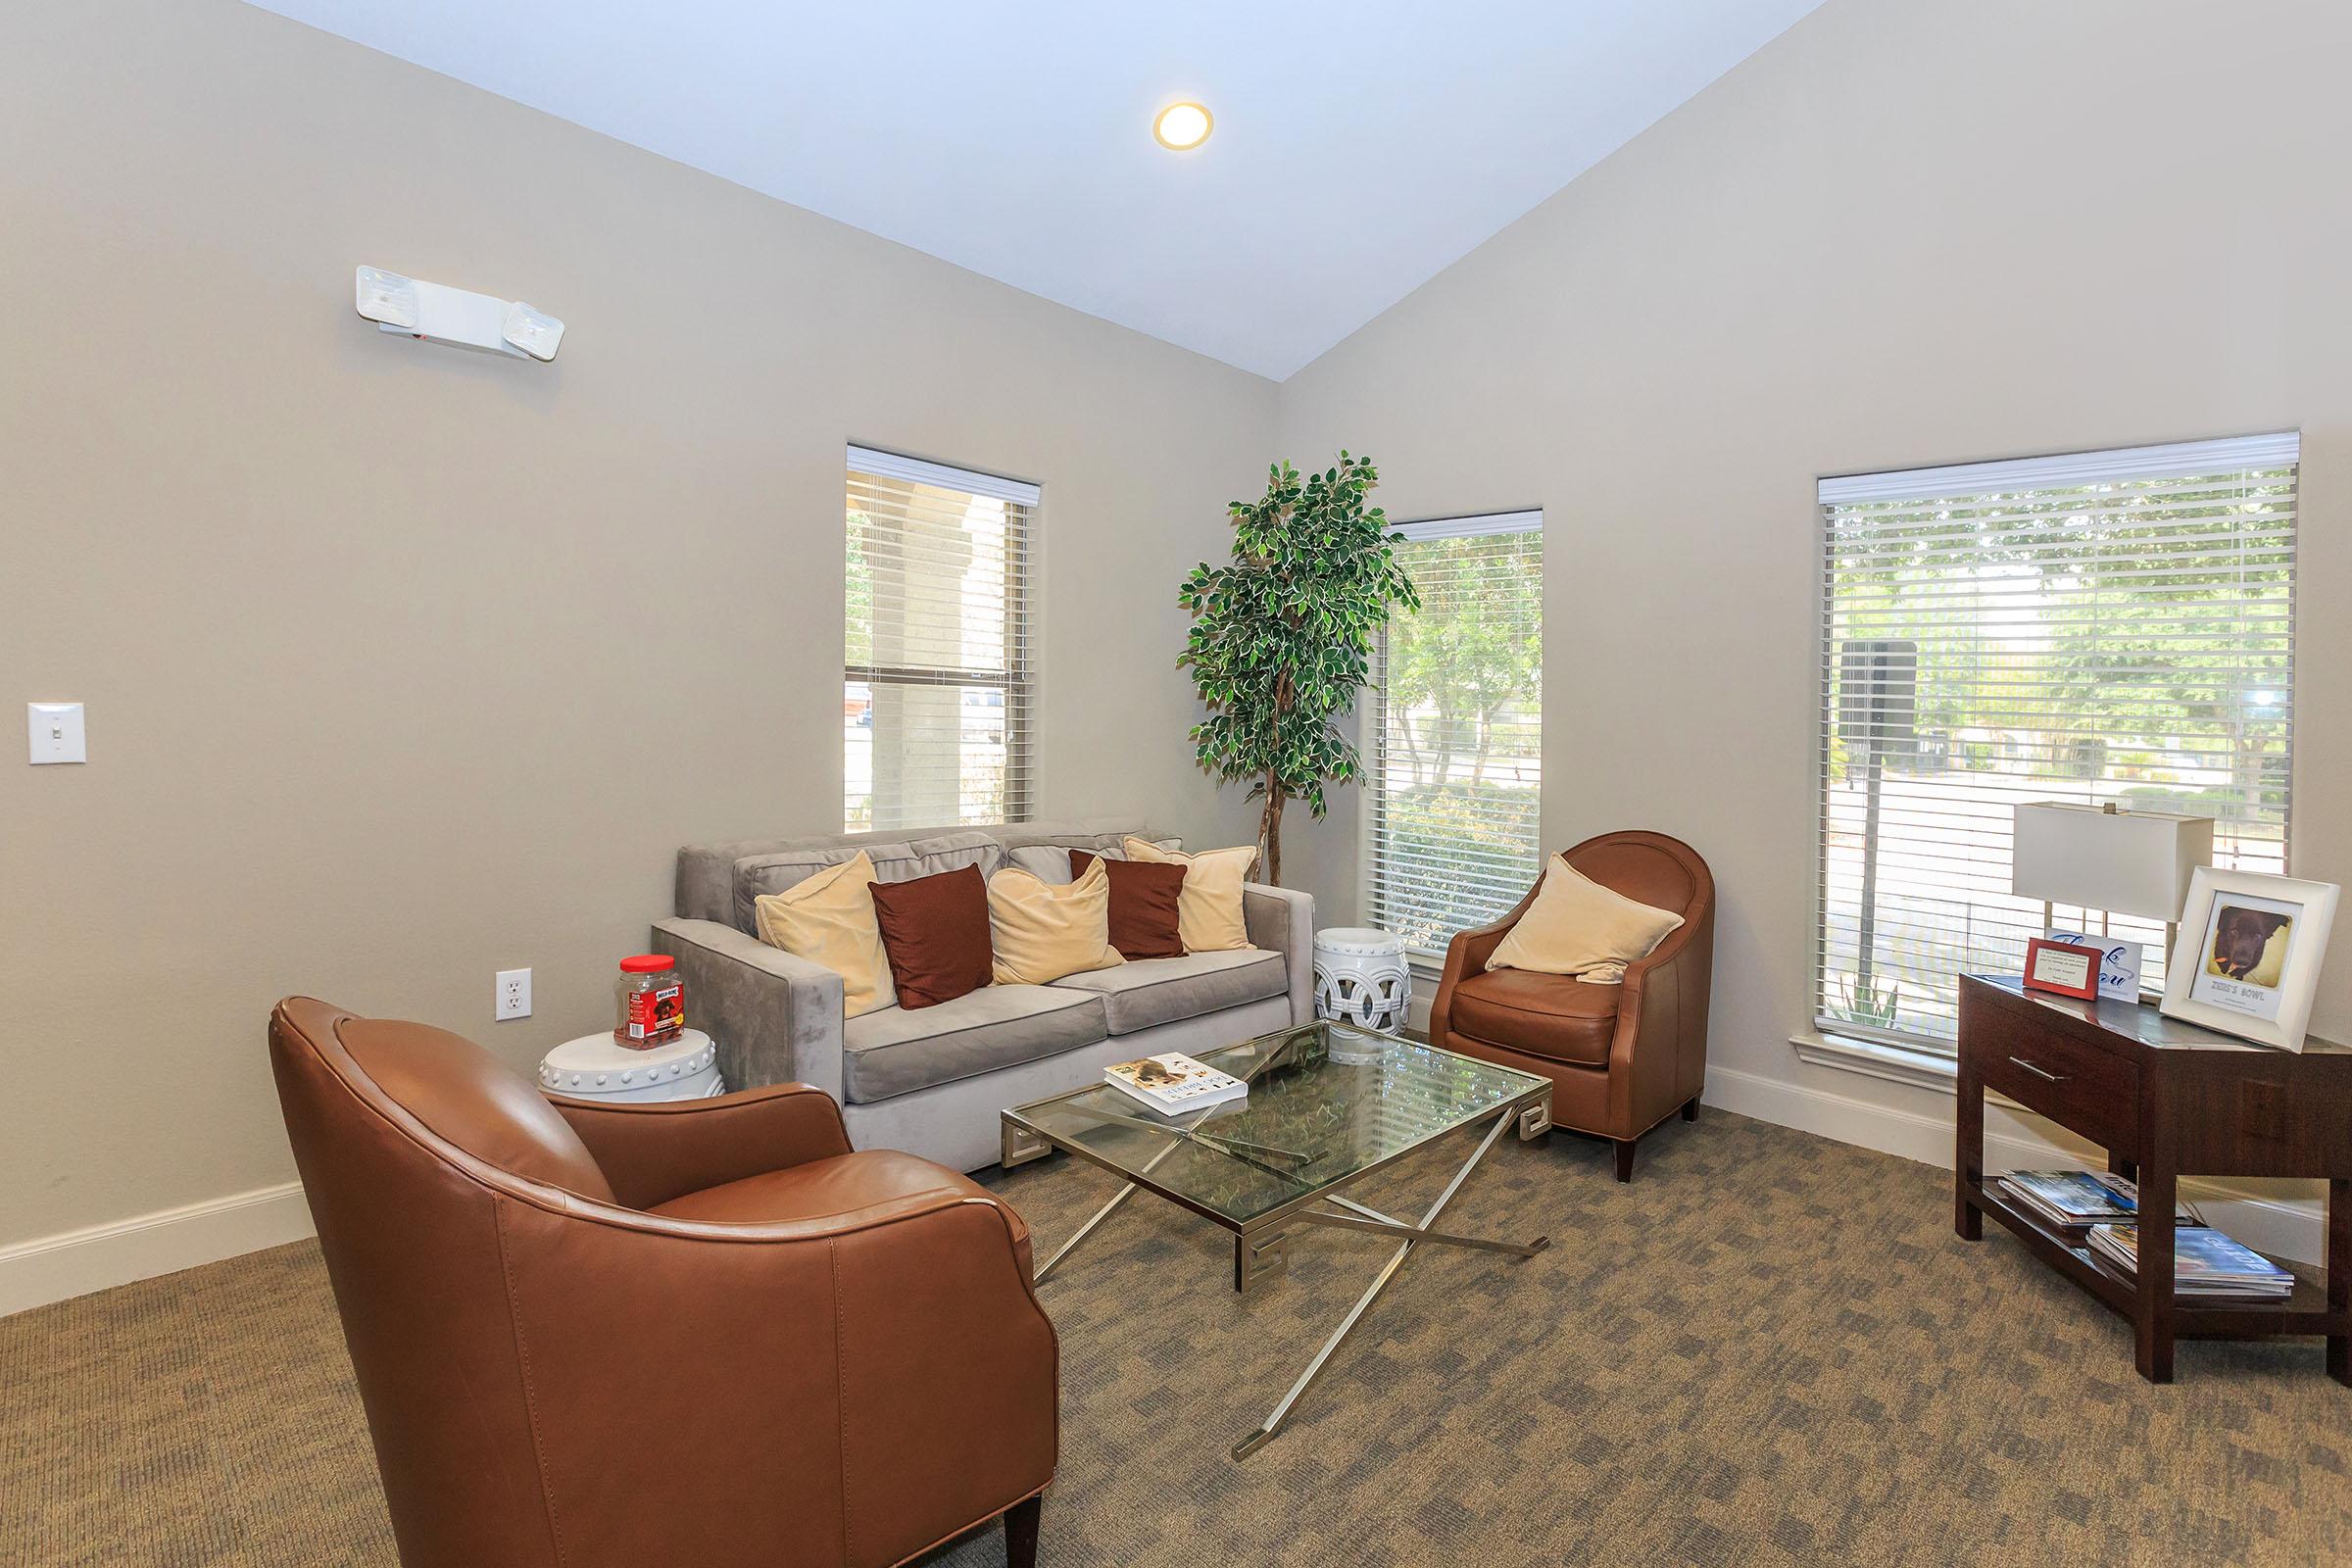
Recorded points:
(363, 624)
(1902, 234)
(359, 620)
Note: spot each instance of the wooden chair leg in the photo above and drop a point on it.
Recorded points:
(1020, 1533)
(1690, 1108)
(1624, 1158)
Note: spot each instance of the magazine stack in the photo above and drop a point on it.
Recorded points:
(2207, 1266)
(2073, 1200)
(2100, 1210)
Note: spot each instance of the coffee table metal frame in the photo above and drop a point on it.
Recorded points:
(1261, 1248)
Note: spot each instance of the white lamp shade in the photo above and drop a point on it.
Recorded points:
(2125, 863)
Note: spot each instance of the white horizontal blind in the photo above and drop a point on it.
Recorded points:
(937, 696)
(1454, 788)
(2102, 628)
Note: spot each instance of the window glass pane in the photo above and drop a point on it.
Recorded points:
(932, 755)
(936, 691)
(2125, 641)
(1454, 835)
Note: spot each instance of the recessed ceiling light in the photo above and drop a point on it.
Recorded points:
(1181, 127)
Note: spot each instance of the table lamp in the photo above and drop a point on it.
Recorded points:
(2100, 857)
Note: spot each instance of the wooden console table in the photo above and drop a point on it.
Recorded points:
(2164, 1099)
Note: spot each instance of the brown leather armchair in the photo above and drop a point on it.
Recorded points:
(700, 1332)
(1622, 1058)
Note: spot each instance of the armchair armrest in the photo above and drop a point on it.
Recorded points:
(1466, 958)
(1283, 920)
(859, 1387)
(775, 1017)
(652, 1153)
(1658, 1058)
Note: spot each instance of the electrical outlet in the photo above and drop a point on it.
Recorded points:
(514, 994)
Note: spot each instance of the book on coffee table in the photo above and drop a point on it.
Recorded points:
(1174, 1083)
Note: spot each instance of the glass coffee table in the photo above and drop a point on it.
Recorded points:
(1328, 1105)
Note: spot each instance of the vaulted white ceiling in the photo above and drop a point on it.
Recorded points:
(1360, 145)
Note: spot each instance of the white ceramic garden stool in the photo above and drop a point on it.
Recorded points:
(599, 1068)
(1361, 978)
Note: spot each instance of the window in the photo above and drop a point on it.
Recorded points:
(936, 685)
(2112, 626)
(1455, 777)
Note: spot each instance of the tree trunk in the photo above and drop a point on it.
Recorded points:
(1444, 733)
(1269, 823)
(1270, 830)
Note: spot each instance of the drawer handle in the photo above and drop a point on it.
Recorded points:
(2042, 1073)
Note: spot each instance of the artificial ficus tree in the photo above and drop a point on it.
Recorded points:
(1282, 637)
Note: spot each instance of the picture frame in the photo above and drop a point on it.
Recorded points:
(2246, 961)
(2063, 969)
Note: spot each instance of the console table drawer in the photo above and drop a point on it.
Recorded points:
(2082, 1088)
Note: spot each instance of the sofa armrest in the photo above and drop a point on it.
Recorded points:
(1283, 920)
(776, 1017)
(654, 1150)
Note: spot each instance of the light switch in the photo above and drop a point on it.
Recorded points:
(55, 730)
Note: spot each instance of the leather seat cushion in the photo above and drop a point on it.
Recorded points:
(1545, 1015)
(1144, 993)
(897, 1050)
(823, 1188)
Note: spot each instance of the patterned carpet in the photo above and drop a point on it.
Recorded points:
(1769, 1348)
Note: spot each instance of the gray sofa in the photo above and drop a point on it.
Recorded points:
(932, 1080)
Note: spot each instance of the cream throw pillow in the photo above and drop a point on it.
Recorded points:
(1208, 913)
(1043, 930)
(829, 920)
(1578, 927)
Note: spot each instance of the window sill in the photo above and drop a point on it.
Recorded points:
(1922, 1069)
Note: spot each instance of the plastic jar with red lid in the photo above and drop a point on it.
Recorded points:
(650, 999)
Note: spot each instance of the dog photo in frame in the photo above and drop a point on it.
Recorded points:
(2247, 960)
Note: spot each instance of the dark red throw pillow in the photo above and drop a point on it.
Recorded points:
(934, 933)
(1143, 906)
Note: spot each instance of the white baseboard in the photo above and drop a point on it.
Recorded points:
(2284, 1228)
(52, 1268)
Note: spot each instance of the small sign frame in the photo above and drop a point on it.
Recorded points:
(2063, 969)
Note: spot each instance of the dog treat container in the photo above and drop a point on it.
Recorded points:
(650, 1002)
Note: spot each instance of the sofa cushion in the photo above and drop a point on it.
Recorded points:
(1047, 862)
(1156, 991)
(759, 875)
(1042, 931)
(1210, 908)
(1146, 905)
(895, 1052)
(708, 878)
(935, 932)
(1545, 1015)
(829, 920)
(1107, 836)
